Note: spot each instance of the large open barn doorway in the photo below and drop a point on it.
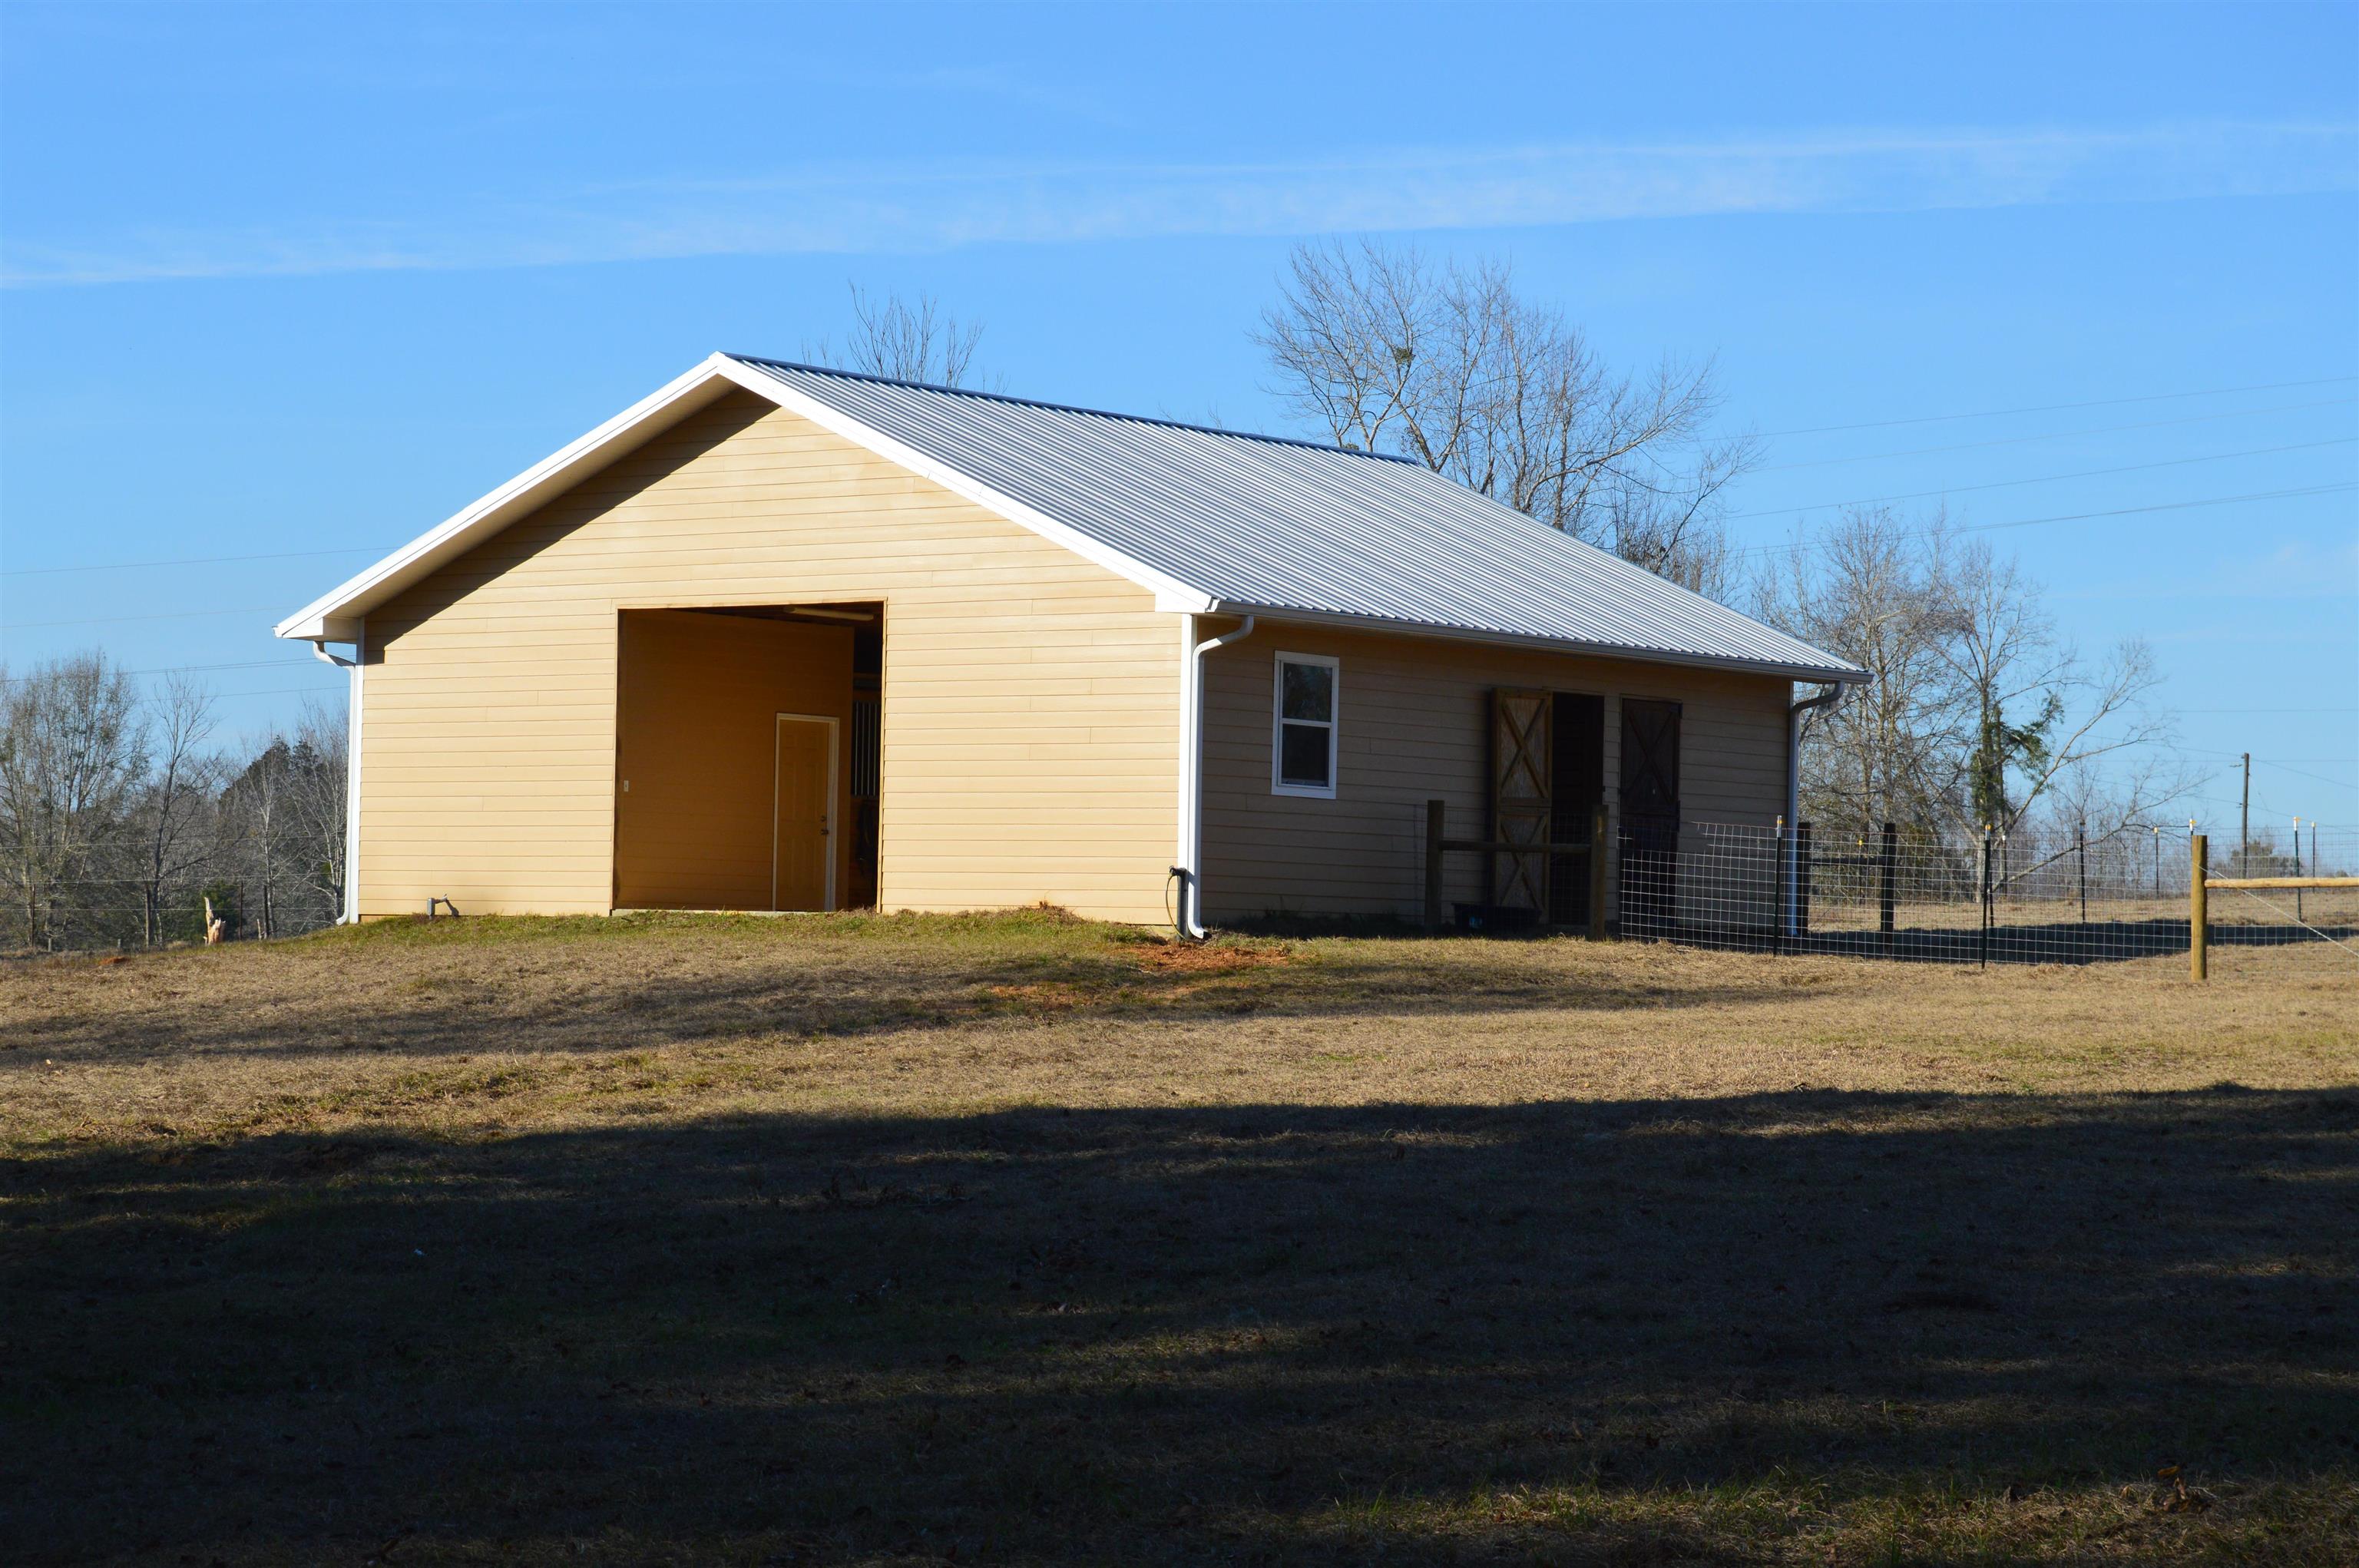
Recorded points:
(745, 767)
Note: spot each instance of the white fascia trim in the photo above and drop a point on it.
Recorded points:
(1849, 674)
(335, 616)
(1170, 593)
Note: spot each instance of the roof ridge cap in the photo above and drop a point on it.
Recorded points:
(976, 392)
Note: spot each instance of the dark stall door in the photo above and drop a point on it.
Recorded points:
(1578, 747)
(1650, 817)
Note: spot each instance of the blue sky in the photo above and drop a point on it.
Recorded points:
(287, 279)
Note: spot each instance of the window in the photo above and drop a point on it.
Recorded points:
(1302, 750)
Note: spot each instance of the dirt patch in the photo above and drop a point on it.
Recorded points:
(1212, 958)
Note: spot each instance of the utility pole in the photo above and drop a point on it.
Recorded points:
(2244, 824)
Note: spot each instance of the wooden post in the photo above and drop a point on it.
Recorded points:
(1887, 869)
(2198, 908)
(1435, 811)
(1597, 873)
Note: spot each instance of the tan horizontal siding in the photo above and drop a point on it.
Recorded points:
(1414, 725)
(1030, 697)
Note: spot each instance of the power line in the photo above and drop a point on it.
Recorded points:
(2061, 435)
(285, 690)
(167, 615)
(2051, 478)
(2303, 773)
(195, 560)
(2059, 408)
(2282, 767)
(1798, 546)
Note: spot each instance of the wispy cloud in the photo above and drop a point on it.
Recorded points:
(913, 207)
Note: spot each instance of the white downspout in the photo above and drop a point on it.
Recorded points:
(1188, 867)
(351, 913)
(1791, 850)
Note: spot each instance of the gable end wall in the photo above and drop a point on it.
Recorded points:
(1031, 697)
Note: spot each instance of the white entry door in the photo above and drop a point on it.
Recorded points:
(802, 857)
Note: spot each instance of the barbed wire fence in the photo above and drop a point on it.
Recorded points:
(1909, 892)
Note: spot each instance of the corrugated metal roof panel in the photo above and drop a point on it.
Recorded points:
(1263, 523)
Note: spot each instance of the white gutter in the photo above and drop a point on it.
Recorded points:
(1789, 917)
(1188, 867)
(351, 913)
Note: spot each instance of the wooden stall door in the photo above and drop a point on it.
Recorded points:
(1577, 787)
(1650, 817)
(1521, 764)
(804, 863)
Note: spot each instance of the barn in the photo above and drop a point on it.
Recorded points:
(781, 637)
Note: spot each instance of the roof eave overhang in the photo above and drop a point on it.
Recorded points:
(1848, 675)
(335, 615)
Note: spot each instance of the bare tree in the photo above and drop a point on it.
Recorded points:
(316, 798)
(73, 751)
(282, 825)
(2042, 713)
(906, 342)
(1873, 589)
(172, 818)
(1387, 350)
(253, 814)
(1976, 713)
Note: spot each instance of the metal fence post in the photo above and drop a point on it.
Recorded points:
(1801, 880)
(2081, 847)
(1887, 867)
(2296, 866)
(1984, 857)
(2198, 930)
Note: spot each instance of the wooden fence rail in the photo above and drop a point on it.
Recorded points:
(1438, 843)
(2199, 882)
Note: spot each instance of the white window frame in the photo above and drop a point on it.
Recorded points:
(1278, 721)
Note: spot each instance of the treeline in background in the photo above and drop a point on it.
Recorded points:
(123, 814)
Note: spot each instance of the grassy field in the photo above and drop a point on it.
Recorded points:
(1020, 1239)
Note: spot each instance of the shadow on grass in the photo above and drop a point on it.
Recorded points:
(1156, 1336)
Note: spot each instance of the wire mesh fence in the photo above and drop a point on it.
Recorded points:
(112, 914)
(1909, 892)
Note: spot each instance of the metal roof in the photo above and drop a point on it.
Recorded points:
(1287, 527)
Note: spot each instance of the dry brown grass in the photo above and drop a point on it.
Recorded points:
(1023, 1239)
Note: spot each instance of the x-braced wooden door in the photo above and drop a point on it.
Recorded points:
(1520, 812)
(1650, 817)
